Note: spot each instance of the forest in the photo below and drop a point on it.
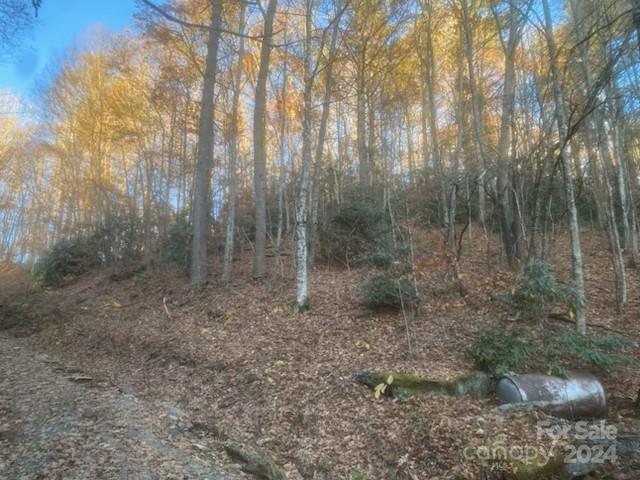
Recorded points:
(324, 239)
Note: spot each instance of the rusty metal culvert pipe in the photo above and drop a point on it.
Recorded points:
(579, 395)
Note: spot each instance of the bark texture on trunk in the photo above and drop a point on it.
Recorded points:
(504, 143)
(202, 187)
(302, 252)
(259, 147)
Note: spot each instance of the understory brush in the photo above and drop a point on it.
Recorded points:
(499, 351)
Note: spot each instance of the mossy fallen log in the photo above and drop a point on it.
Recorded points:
(405, 385)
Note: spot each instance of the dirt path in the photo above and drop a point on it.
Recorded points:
(55, 424)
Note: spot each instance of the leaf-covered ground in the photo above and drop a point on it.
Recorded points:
(56, 422)
(239, 358)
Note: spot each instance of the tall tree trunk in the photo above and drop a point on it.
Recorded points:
(476, 108)
(614, 239)
(322, 133)
(627, 213)
(302, 265)
(574, 229)
(450, 192)
(611, 224)
(371, 130)
(503, 193)
(202, 200)
(259, 147)
(282, 157)
(432, 110)
(596, 136)
(147, 202)
(227, 265)
(364, 167)
(410, 148)
(424, 122)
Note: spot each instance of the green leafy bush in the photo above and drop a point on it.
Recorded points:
(382, 291)
(537, 289)
(67, 257)
(362, 218)
(359, 474)
(353, 230)
(603, 353)
(141, 278)
(116, 240)
(176, 249)
(499, 351)
(379, 259)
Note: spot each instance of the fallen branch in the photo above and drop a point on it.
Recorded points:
(166, 309)
(561, 317)
(80, 378)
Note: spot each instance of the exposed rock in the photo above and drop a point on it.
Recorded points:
(208, 429)
(628, 446)
(555, 468)
(255, 463)
(536, 465)
(175, 413)
(404, 385)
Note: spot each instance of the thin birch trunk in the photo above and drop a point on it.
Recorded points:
(302, 274)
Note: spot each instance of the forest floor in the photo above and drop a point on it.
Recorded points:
(242, 365)
(56, 422)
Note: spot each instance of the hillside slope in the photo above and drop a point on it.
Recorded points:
(239, 359)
